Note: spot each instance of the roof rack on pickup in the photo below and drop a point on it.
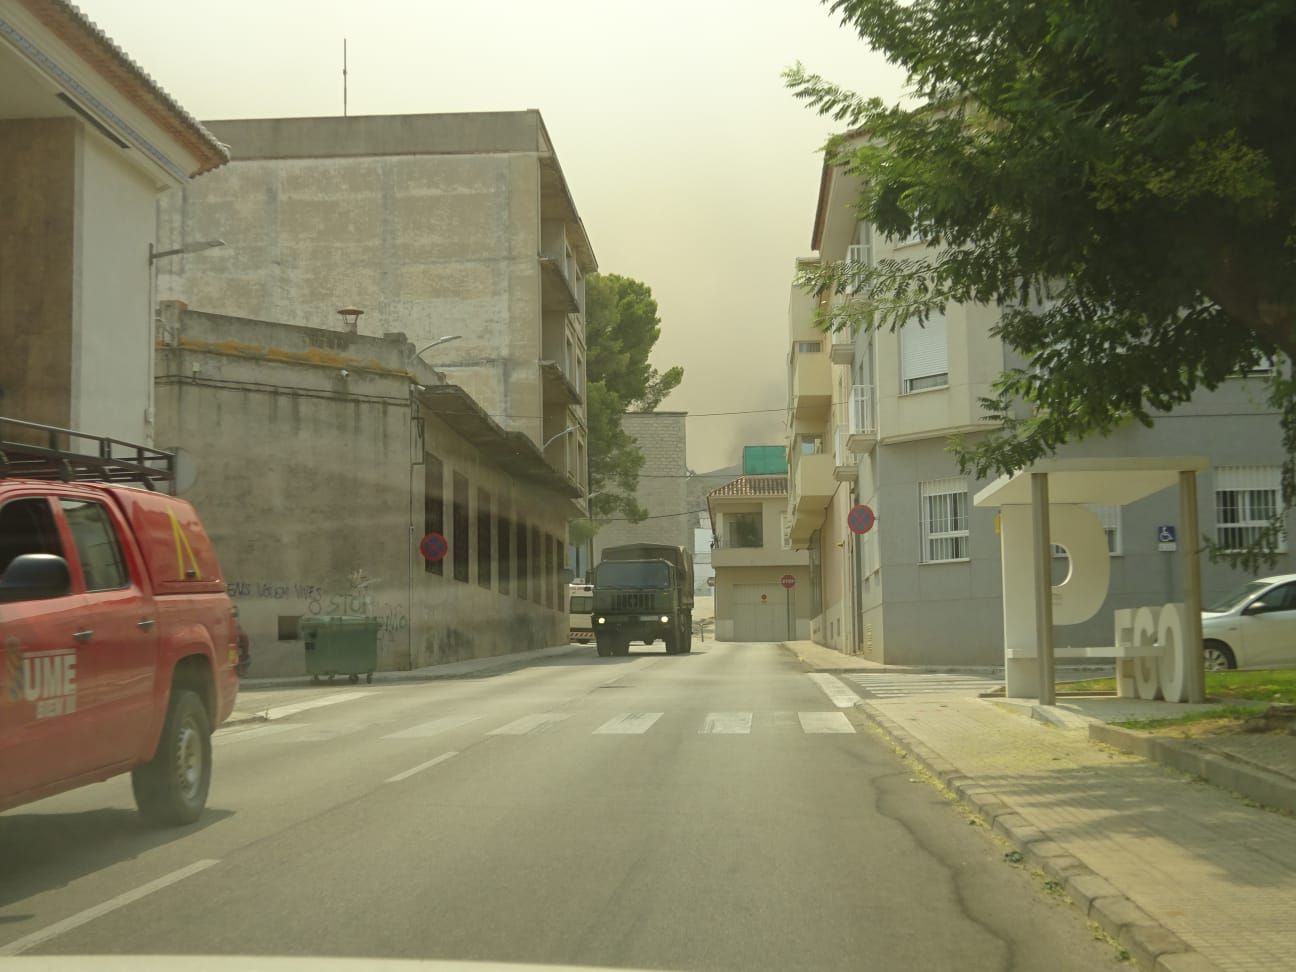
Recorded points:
(29, 450)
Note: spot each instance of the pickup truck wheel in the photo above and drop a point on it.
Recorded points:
(172, 787)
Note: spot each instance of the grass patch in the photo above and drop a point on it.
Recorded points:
(1278, 685)
(1225, 713)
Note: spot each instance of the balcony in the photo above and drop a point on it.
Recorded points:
(558, 387)
(862, 432)
(556, 291)
(845, 465)
(812, 490)
(810, 384)
(842, 352)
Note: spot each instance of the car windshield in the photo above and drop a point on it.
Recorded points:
(652, 575)
(1236, 598)
(582, 604)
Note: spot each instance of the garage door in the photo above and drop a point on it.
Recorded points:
(757, 620)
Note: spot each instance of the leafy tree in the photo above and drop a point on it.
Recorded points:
(1116, 175)
(621, 328)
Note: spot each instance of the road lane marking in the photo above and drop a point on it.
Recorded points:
(726, 724)
(425, 729)
(837, 693)
(20, 945)
(420, 767)
(817, 722)
(628, 724)
(292, 708)
(529, 723)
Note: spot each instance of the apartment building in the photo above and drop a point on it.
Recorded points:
(439, 226)
(870, 417)
(751, 555)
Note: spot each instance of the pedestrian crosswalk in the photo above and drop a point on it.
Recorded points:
(727, 723)
(891, 685)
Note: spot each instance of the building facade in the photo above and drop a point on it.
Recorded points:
(436, 226)
(87, 143)
(663, 485)
(751, 555)
(319, 461)
(870, 418)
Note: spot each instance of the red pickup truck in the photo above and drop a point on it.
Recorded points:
(119, 646)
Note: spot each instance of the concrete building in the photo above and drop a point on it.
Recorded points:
(870, 419)
(751, 553)
(431, 225)
(87, 142)
(319, 460)
(663, 485)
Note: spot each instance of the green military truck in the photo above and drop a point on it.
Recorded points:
(643, 592)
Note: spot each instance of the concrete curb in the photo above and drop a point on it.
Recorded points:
(1253, 782)
(1153, 946)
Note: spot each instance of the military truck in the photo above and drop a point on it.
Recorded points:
(643, 592)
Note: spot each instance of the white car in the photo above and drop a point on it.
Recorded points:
(1253, 627)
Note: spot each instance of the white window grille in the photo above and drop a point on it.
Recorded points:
(859, 252)
(785, 521)
(861, 410)
(1111, 522)
(943, 511)
(924, 354)
(1246, 500)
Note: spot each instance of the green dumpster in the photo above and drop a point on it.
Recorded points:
(340, 646)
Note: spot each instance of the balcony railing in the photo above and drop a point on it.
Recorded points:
(862, 428)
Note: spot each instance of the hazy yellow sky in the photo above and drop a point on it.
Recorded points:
(693, 168)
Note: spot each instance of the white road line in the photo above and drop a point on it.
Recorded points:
(280, 711)
(20, 945)
(837, 693)
(425, 729)
(529, 723)
(628, 724)
(420, 768)
(726, 724)
(817, 722)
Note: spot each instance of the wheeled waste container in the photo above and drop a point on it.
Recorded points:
(340, 646)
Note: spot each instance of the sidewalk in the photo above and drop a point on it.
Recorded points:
(1184, 875)
(257, 695)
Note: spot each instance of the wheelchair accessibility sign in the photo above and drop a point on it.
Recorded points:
(1166, 538)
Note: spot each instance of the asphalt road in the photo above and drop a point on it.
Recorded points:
(721, 810)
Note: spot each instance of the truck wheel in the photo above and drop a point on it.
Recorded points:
(622, 646)
(603, 650)
(172, 787)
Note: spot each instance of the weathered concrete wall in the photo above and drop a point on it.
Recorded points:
(305, 481)
(663, 484)
(38, 177)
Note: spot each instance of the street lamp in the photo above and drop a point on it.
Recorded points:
(554, 438)
(441, 340)
(195, 247)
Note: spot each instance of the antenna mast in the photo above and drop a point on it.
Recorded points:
(344, 78)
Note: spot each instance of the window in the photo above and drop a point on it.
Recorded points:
(743, 530)
(27, 527)
(522, 561)
(924, 355)
(860, 252)
(460, 541)
(484, 542)
(1280, 598)
(809, 445)
(1246, 501)
(433, 506)
(537, 566)
(96, 543)
(943, 510)
(504, 537)
(1111, 522)
(580, 460)
(808, 347)
(556, 581)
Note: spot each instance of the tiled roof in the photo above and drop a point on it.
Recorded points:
(752, 486)
(98, 50)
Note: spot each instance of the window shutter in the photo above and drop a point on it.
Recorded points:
(924, 351)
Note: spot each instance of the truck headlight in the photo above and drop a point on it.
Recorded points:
(665, 618)
(602, 620)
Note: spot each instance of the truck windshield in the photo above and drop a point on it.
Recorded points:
(641, 576)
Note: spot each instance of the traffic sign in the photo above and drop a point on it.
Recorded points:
(788, 581)
(1166, 537)
(861, 519)
(433, 547)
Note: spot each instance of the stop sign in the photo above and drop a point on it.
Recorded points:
(788, 581)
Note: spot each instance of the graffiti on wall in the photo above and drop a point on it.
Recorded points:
(319, 599)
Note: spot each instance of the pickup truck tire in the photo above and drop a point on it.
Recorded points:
(171, 788)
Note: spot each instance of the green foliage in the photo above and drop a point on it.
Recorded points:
(1116, 176)
(621, 328)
